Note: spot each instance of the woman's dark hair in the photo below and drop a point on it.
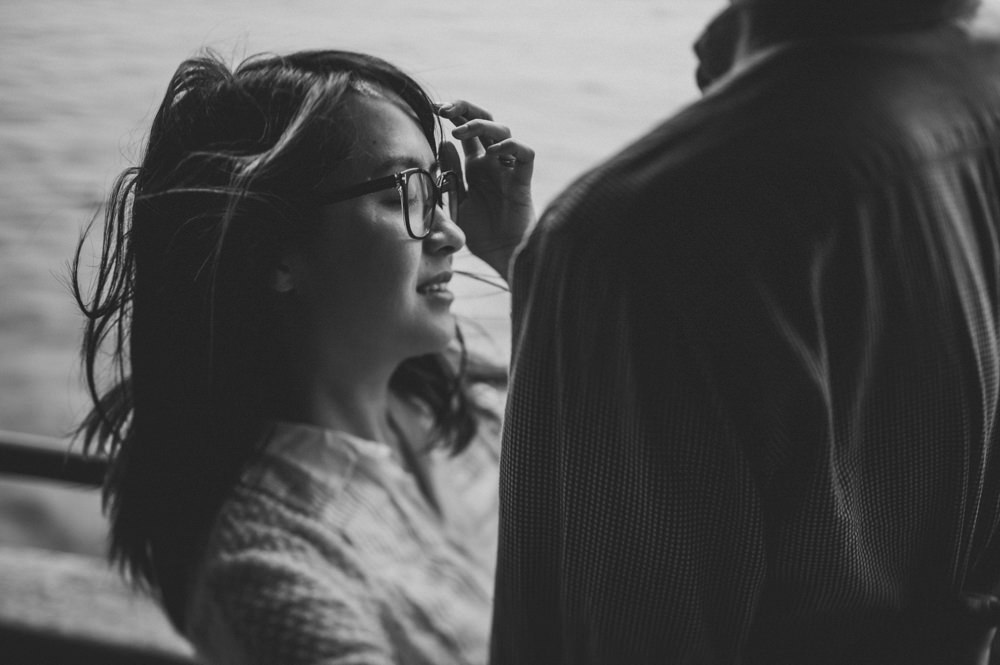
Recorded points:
(181, 300)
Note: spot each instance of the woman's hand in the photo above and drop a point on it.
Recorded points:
(498, 210)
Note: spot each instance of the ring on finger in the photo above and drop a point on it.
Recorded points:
(507, 160)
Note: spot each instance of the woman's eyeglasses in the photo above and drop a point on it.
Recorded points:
(419, 193)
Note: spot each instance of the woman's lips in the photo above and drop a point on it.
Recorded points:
(437, 285)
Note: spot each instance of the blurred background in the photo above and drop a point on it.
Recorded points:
(80, 82)
(81, 79)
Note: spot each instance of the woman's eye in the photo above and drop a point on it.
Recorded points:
(390, 201)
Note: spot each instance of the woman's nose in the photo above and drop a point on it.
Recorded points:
(447, 236)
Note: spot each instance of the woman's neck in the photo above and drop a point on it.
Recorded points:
(349, 395)
(361, 410)
(354, 398)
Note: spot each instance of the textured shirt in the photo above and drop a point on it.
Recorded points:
(754, 388)
(328, 552)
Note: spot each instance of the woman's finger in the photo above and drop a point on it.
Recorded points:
(461, 111)
(478, 134)
(472, 146)
(511, 153)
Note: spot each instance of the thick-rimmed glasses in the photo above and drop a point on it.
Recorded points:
(419, 193)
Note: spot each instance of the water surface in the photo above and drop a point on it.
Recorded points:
(79, 82)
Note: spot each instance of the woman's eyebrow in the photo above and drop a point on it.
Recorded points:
(400, 162)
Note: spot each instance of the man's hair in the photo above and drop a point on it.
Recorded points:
(866, 15)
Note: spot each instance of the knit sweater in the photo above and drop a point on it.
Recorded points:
(328, 552)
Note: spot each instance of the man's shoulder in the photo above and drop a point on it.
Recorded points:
(709, 149)
(835, 117)
(718, 142)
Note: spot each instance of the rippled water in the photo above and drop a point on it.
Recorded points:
(79, 82)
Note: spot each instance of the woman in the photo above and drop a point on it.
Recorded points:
(298, 471)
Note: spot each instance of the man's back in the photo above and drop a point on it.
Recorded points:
(756, 370)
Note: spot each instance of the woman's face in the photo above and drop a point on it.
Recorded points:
(364, 285)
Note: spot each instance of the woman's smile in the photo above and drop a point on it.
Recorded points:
(437, 287)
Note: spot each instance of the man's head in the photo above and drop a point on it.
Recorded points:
(745, 25)
(865, 15)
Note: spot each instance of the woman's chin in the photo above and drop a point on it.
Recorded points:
(438, 337)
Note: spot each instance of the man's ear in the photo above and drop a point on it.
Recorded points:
(282, 275)
(719, 46)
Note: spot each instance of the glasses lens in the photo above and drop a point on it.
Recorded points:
(449, 195)
(419, 203)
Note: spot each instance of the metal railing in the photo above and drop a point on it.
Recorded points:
(56, 633)
(48, 458)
